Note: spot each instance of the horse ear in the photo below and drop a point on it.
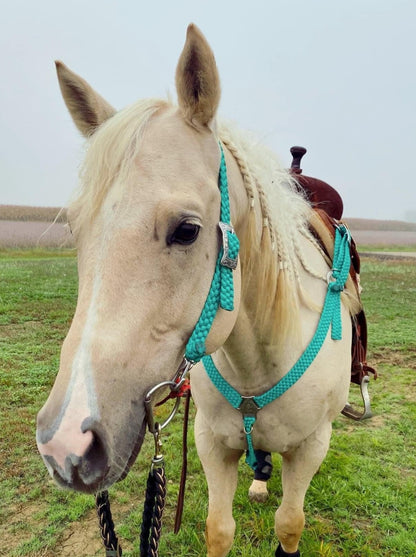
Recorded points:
(197, 79)
(87, 108)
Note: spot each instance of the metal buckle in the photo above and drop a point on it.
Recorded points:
(226, 260)
(330, 276)
(343, 228)
(183, 370)
(248, 406)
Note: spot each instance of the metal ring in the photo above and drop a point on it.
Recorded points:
(149, 409)
(152, 391)
(330, 277)
(174, 385)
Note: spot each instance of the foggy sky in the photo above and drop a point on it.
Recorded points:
(336, 77)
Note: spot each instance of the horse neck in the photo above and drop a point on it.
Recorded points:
(266, 299)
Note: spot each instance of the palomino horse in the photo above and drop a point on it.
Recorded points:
(146, 224)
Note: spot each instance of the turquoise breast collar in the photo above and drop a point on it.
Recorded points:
(221, 295)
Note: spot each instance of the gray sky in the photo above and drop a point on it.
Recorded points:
(336, 77)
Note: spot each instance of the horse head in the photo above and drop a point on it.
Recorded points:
(146, 229)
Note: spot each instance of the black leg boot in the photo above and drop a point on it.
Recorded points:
(264, 466)
(281, 553)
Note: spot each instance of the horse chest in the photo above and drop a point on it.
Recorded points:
(279, 427)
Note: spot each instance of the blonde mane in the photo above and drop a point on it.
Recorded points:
(275, 256)
(271, 258)
(110, 153)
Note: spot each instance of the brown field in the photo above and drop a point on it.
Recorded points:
(381, 225)
(30, 234)
(38, 214)
(24, 226)
(384, 237)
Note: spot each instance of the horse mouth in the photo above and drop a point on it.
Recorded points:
(95, 471)
(77, 483)
(78, 475)
(135, 451)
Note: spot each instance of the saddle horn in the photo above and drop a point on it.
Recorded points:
(297, 154)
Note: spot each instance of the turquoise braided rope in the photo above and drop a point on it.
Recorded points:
(228, 391)
(330, 317)
(221, 292)
(248, 428)
(225, 214)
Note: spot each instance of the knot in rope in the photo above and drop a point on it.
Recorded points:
(337, 278)
(335, 286)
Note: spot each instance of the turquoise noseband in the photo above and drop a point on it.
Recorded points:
(221, 295)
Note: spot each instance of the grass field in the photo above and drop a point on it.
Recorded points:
(361, 504)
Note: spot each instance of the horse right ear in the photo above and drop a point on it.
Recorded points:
(87, 108)
(197, 79)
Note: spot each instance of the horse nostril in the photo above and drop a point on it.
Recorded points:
(93, 465)
(96, 456)
(76, 455)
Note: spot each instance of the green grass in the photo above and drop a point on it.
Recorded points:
(36, 253)
(361, 503)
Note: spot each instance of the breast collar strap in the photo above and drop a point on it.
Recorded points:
(330, 317)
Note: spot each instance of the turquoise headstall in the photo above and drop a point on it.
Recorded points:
(221, 293)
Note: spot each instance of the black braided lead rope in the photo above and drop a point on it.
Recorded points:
(158, 511)
(105, 519)
(148, 508)
(152, 512)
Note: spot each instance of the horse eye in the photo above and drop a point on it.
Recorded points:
(186, 233)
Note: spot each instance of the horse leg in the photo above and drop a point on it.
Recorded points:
(220, 466)
(298, 468)
(258, 490)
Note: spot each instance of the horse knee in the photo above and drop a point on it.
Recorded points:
(219, 537)
(288, 527)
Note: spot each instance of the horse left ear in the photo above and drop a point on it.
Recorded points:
(197, 79)
(87, 108)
